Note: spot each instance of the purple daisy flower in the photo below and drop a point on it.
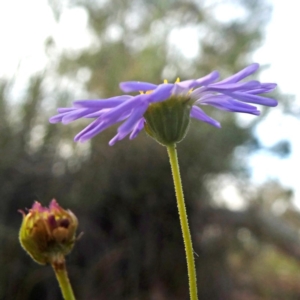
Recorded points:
(230, 94)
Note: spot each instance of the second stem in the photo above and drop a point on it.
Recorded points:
(59, 267)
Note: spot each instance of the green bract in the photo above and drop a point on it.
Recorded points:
(168, 121)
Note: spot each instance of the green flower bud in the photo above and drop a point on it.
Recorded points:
(168, 121)
(48, 233)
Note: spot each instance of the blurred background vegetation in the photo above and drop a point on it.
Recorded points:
(123, 195)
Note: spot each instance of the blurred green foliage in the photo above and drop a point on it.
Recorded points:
(123, 195)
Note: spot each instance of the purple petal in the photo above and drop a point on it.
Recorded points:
(137, 128)
(161, 93)
(96, 127)
(264, 88)
(183, 86)
(86, 129)
(214, 75)
(130, 123)
(114, 139)
(198, 93)
(269, 86)
(56, 118)
(241, 86)
(241, 74)
(228, 104)
(75, 115)
(135, 86)
(90, 132)
(198, 113)
(246, 97)
(65, 109)
(97, 114)
(125, 107)
(102, 103)
(186, 85)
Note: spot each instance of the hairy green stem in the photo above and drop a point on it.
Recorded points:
(183, 222)
(61, 273)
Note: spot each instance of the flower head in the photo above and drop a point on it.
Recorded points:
(48, 232)
(152, 108)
